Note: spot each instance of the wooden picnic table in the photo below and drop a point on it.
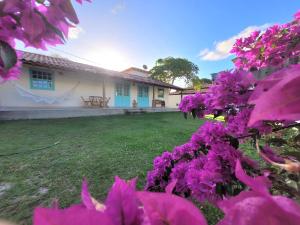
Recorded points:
(97, 101)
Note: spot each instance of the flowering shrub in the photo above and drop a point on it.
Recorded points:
(204, 167)
(274, 47)
(37, 23)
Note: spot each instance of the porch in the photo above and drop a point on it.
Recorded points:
(19, 113)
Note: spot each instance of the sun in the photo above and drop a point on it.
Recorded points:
(108, 58)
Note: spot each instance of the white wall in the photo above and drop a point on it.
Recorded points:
(89, 85)
(173, 101)
(64, 82)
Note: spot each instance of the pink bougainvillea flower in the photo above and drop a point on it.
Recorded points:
(269, 155)
(33, 24)
(86, 197)
(289, 164)
(36, 25)
(88, 201)
(163, 208)
(75, 215)
(89, 212)
(257, 206)
(14, 72)
(122, 204)
(297, 15)
(170, 187)
(81, 1)
(277, 97)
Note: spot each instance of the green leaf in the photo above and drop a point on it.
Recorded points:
(8, 55)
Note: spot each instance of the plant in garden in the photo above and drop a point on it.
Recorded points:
(36, 23)
(211, 166)
(252, 108)
(274, 47)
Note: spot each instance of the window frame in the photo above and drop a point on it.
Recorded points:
(122, 88)
(143, 91)
(163, 92)
(31, 80)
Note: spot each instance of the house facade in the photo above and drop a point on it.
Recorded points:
(52, 82)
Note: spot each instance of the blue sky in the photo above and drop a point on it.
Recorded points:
(117, 34)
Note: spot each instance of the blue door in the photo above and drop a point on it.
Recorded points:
(143, 96)
(122, 94)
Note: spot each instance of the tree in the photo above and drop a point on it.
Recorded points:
(170, 68)
(197, 83)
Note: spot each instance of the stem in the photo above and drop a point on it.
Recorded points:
(273, 130)
(288, 165)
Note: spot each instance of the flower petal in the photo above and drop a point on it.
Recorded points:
(162, 208)
(277, 97)
(75, 215)
(122, 204)
(259, 184)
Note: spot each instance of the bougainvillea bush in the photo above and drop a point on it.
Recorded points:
(203, 168)
(211, 166)
(36, 23)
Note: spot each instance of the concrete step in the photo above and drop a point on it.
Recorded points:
(51, 113)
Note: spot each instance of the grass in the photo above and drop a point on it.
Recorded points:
(95, 148)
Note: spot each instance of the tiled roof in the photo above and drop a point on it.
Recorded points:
(66, 64)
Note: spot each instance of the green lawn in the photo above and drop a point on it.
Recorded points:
(96, 148)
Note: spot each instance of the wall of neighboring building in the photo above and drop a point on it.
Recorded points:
(173, 101)
(64, 82)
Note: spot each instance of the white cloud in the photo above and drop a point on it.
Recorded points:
(74, 32)
(222, 48)
(118, 7)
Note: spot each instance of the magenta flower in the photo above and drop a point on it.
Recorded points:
(88, 201)
(32, 24)
(257, 206)
(36, 25)
(75, 215)
(297, 15)
(162, 208)
(277, 97)
(122, 204)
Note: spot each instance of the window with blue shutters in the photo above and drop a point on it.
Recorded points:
(41, 80)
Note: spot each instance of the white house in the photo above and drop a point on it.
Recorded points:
(53, 82)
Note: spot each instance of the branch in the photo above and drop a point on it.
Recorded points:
(274, 130)
(288, 165)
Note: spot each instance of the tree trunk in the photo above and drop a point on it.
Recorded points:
(173, 79)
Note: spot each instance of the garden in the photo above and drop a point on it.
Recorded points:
(247, 167)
